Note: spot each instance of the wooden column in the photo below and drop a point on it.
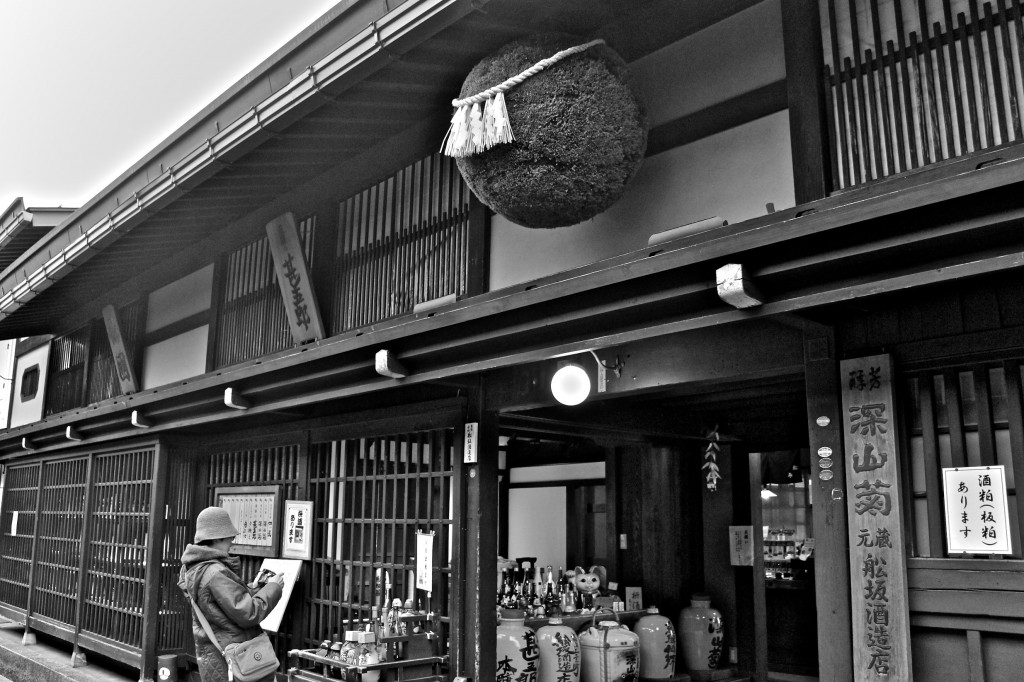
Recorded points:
(805, 86)
(154, 562)
(473, 615)
(479, 248)
(831, 566)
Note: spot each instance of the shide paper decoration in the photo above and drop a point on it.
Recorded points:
(548, 131)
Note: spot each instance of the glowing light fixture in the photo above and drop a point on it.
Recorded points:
(570, 385)
(767, 494)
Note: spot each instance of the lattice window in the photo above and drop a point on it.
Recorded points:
(69, 356)
(401, 242)
(252, 320)
(370, 496)
(17, 529)
(969, 416)
(914, 83)
(116, 576)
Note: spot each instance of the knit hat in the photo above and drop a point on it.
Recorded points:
(214, 523)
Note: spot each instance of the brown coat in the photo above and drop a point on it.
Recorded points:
(233, 609)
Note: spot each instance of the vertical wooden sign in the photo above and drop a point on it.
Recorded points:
(123, 367)
(878, 571)
(293, 278)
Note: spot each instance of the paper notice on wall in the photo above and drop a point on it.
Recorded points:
(424, 560)
(14, 523)
(741, 545)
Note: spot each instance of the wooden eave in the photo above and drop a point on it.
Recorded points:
(362, 76)
(941, 225)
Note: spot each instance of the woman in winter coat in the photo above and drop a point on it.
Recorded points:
(210, 577)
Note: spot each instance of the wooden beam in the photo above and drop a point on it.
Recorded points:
(829, 529)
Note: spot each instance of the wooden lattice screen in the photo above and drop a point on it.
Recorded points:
(401, 242)
(252, 319)
(967, 416)
(17, 531)
(74, 550)
(81, 369)
(371, 495)
(914, 82)
(116, 576)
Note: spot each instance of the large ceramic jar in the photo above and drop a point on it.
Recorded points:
(657, 645)
(516, 648)
(700, 634)
(559, 652)
(366, 654)
(609, 652)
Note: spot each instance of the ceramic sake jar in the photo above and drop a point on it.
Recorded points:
(518, 655)
(700, 634)
(657, 645)
(610, 652)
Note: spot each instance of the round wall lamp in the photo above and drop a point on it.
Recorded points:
(571, 384)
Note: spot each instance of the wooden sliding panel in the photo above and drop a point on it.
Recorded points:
(62, 517)
(115, 586)
(17, 536)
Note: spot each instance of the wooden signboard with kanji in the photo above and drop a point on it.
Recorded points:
(878, 564)
(294, 280)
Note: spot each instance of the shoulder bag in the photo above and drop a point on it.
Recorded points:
(248, 661)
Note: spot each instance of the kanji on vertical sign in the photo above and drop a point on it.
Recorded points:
(881, 627)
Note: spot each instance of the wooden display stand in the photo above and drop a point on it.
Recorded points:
(420, 664)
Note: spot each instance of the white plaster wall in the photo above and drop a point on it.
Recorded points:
(180, 299)
(732, 174)
(175, 359)
(536, 524)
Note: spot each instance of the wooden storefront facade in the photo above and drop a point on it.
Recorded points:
(900, 236)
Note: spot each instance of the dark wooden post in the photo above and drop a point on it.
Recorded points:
(154, 562)
(478, 247)
(28, 638)
(474, 632)
(83, 555)
(831, 564)
(754, 629)
(805, 88)
(220, 270)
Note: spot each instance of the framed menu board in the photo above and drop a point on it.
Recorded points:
(255, 511)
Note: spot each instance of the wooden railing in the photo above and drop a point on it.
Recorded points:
(935, 80)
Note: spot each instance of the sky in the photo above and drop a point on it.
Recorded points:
(88, 88)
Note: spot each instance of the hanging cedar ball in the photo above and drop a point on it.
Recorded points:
(580, 133)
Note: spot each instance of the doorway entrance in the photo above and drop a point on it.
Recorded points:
(621, 483)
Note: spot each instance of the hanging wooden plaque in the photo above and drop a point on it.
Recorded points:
(293, 278)
(878, 564)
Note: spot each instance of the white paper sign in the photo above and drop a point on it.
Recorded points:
(298, 529)
(290, 568)
(14, 522)
(424, 560)
(977, 516)
(741, 545)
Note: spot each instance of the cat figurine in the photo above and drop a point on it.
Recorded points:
(588, 586)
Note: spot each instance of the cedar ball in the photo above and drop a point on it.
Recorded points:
(580, 131)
